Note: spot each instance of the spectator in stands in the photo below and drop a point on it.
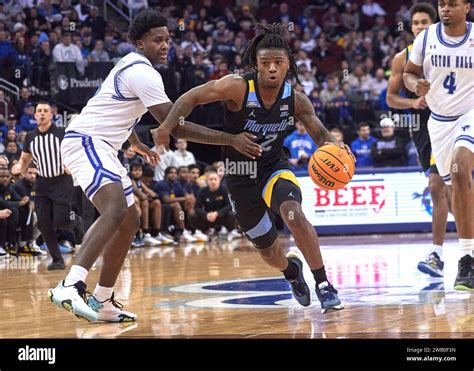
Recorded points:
(127, 156)
(351, 17)
(337, 133)
(99, 54)
(389, 149)
(21, 139)
(97, 23)
(20, 208)
(6, 107)
(317, 104)
(25, 97)
(329, 92)
(309, 83)
(136, 6)
(371, 9)
(27, 120)
(11, 136)
(195, 179)
(376, 86)
(166, 160)
(6, 55)
(301, 147)
(83, 10)
(173, 195)
(221, 72)
(341, 110)
(213, 209)
(68, 52)
(362, 146)
(41, 60)
(12, 151)
(148, 203)
(182, 157)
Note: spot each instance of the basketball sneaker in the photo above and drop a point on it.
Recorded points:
(433, 265)
(164, 239)
(3, 252)
(12, 249)
(199, 236)
(56, 265)
(73, 299)
(465, 278)
(150, 241)
(110, 310)
(327, 295)
(28, 249)
(299, 287)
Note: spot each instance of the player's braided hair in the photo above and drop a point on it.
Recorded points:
(269, 37)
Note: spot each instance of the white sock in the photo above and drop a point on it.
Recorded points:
(466, 247)
(103, 293)
(77, 273)
(438, 249)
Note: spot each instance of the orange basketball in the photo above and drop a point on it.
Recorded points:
(331, 167)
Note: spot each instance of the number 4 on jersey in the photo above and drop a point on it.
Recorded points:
(449, 83)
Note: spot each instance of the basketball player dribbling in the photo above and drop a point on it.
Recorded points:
(422, 15)
(263, 103)
(441, 69)
(89, 152)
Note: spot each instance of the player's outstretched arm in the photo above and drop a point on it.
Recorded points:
(304, 112)
(173, 118)
(395, 84)
(412, 77)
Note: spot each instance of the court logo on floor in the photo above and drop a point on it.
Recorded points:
(274, 293)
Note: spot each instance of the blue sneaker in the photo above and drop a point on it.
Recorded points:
(110, 310)
(299, 287)
(433, 265)
(327, 295)
(73, 299)
(138, 242)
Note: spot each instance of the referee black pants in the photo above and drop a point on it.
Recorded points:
(53, 202)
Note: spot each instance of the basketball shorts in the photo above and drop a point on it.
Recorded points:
(93, 163)
(448, 133)
(421, 138)
(256, 201)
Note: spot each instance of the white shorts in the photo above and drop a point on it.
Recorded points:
(93, 163)
(448, 133)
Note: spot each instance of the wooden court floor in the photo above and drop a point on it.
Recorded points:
(224, 290)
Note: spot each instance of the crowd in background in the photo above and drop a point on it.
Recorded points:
(344, 51)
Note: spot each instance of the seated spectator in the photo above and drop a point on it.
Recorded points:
(182, 157)
(83, 10)
(173, 195)
(25, 97)
(309, 83)
(194, 178)
(27, 120)
(362, 146)
(96, 23)
(166, 160)
(11, 125)
(66, 51)
(337, 133)
(340, 110)
(20, 217)
(127, 156)
(371, 9)
(329, 92)
(388, 150)
(317, 104)
(12, 151)
(149, 206)
(41, 60)
(213, 209)
(376, 86)
(21, 139)
(301, 147)
(10, 109)
(99, 54)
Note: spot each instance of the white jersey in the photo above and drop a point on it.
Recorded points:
(448, 64)
(131, 87)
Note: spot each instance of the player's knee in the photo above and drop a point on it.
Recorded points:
(437, 189)
(460, 171)
(116, 213)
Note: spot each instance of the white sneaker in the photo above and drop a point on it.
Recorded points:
(200, 237)
(187, 237)
(73, 299)
(110, 310)
(148, 240)
(223, 233)
(3, 252)
(163, 239)
(234, 234)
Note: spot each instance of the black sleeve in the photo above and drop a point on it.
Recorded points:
(224, 210)
(29, 137)
(20, 189)
(4, 204)
(15, 195)
(199, 206)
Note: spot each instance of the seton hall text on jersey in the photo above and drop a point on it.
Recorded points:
(252, 126)
(460, 61)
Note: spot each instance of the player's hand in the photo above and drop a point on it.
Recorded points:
(161, 137)
(5, 213)
(345, 147)
(422, 87)
(16, 169)
(24, 201)
(151, 157)
(420, 103)
(244, 143)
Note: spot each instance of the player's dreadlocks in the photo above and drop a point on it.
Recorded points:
(269, 37)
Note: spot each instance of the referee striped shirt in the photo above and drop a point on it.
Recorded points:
(45, 148)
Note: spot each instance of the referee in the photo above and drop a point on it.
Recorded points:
(54, 188)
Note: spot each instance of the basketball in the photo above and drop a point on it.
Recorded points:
(331, 167)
